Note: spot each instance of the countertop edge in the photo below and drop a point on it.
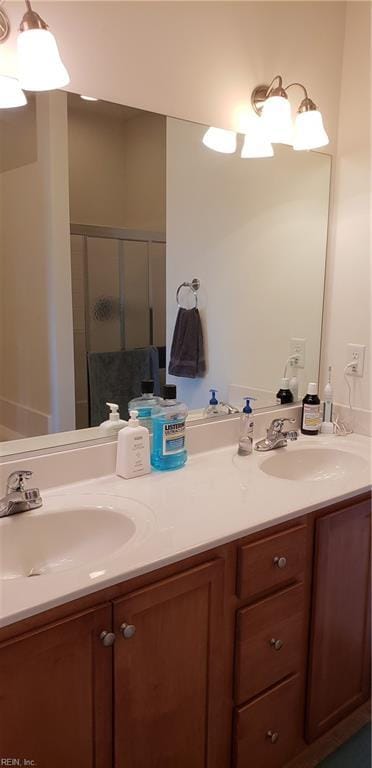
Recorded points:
(157, 565)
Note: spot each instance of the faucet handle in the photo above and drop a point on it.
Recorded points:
(16, 480)
(277, 425)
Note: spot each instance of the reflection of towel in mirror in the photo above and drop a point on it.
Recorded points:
(115, 377)
(187, 353)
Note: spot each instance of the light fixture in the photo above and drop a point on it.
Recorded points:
(220, 140)
(4, 25)
(271, 103)
(309, 130)
(40, 65)
(255, 142)
(88, 98)
(275, 110)
(11, 94)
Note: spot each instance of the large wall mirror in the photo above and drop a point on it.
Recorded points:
(106, 211)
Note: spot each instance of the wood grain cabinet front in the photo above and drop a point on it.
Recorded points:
(270, 641)
(56, 694)
(268, 730)
(169, 673)
(339, 676)
(271, 562)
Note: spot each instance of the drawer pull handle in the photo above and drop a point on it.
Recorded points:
(280, 562)
(276, 644)
(127, 630)
(273, 736)
(107, 638)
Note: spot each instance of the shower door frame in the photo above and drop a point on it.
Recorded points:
(121, 234)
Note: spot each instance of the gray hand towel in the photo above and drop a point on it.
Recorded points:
(116, 377)
(187, 357)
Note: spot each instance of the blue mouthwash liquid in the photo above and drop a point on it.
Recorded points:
(169, 432)
(146, 405)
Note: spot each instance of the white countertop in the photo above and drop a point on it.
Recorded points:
(216, 498)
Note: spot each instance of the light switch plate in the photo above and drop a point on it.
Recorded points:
(297, 347)
(356, 354)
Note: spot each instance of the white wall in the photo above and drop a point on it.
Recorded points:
(200, 61)
(125, 185)
(195, 60)
(348, 290)
(24, 377)
(36, 357)
(254, 232)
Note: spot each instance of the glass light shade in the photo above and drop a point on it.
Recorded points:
(11, 94)
(277, 120)
(309, 132)
(256, 143)
(220, 140)
(40, 65)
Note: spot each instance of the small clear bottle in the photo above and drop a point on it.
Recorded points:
(169, 432)
(213, 409)
(246, 429)
(146, 405)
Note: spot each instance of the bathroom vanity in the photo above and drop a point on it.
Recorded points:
(239, 654)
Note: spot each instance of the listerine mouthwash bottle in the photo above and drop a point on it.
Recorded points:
(169, 432)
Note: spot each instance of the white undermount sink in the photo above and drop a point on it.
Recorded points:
(314, 464)
(69, 532)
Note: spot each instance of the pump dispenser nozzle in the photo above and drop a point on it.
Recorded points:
(247, 408)
(213, 400)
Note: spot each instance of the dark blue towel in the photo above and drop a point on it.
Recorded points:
(115, 377)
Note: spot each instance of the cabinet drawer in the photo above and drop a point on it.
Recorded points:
(270, 562)
(268, 730)
(269, 642)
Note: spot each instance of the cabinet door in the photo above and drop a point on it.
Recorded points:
(55, 694)
(168, 674)
(339, 669)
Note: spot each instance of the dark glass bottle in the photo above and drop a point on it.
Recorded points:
(284, 395)
(311, 415)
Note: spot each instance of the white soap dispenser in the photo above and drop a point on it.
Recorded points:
(133, 454)
(114, 423)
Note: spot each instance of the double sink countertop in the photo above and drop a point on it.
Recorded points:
(93, 534)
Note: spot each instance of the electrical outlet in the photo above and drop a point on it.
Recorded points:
(297, 348)
(355, 354)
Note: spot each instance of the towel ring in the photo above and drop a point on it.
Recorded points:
(193, 286)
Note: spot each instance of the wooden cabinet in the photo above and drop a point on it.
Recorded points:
(268, 730)
(339, 653)
(271, 562)
(271, 647)
(269, 641)
(209, 657)
(55, 694)
(168, 674)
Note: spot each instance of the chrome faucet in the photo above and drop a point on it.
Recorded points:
(275, 437)
(229, 409)
(19, 498)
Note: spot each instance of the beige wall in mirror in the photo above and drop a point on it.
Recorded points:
(105, 211)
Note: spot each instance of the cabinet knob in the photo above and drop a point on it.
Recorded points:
(127, 630)
(276, 644)
(107, 638)
(273, 736)
(280, 562)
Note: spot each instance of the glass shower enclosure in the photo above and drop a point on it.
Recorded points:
(118, 296)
